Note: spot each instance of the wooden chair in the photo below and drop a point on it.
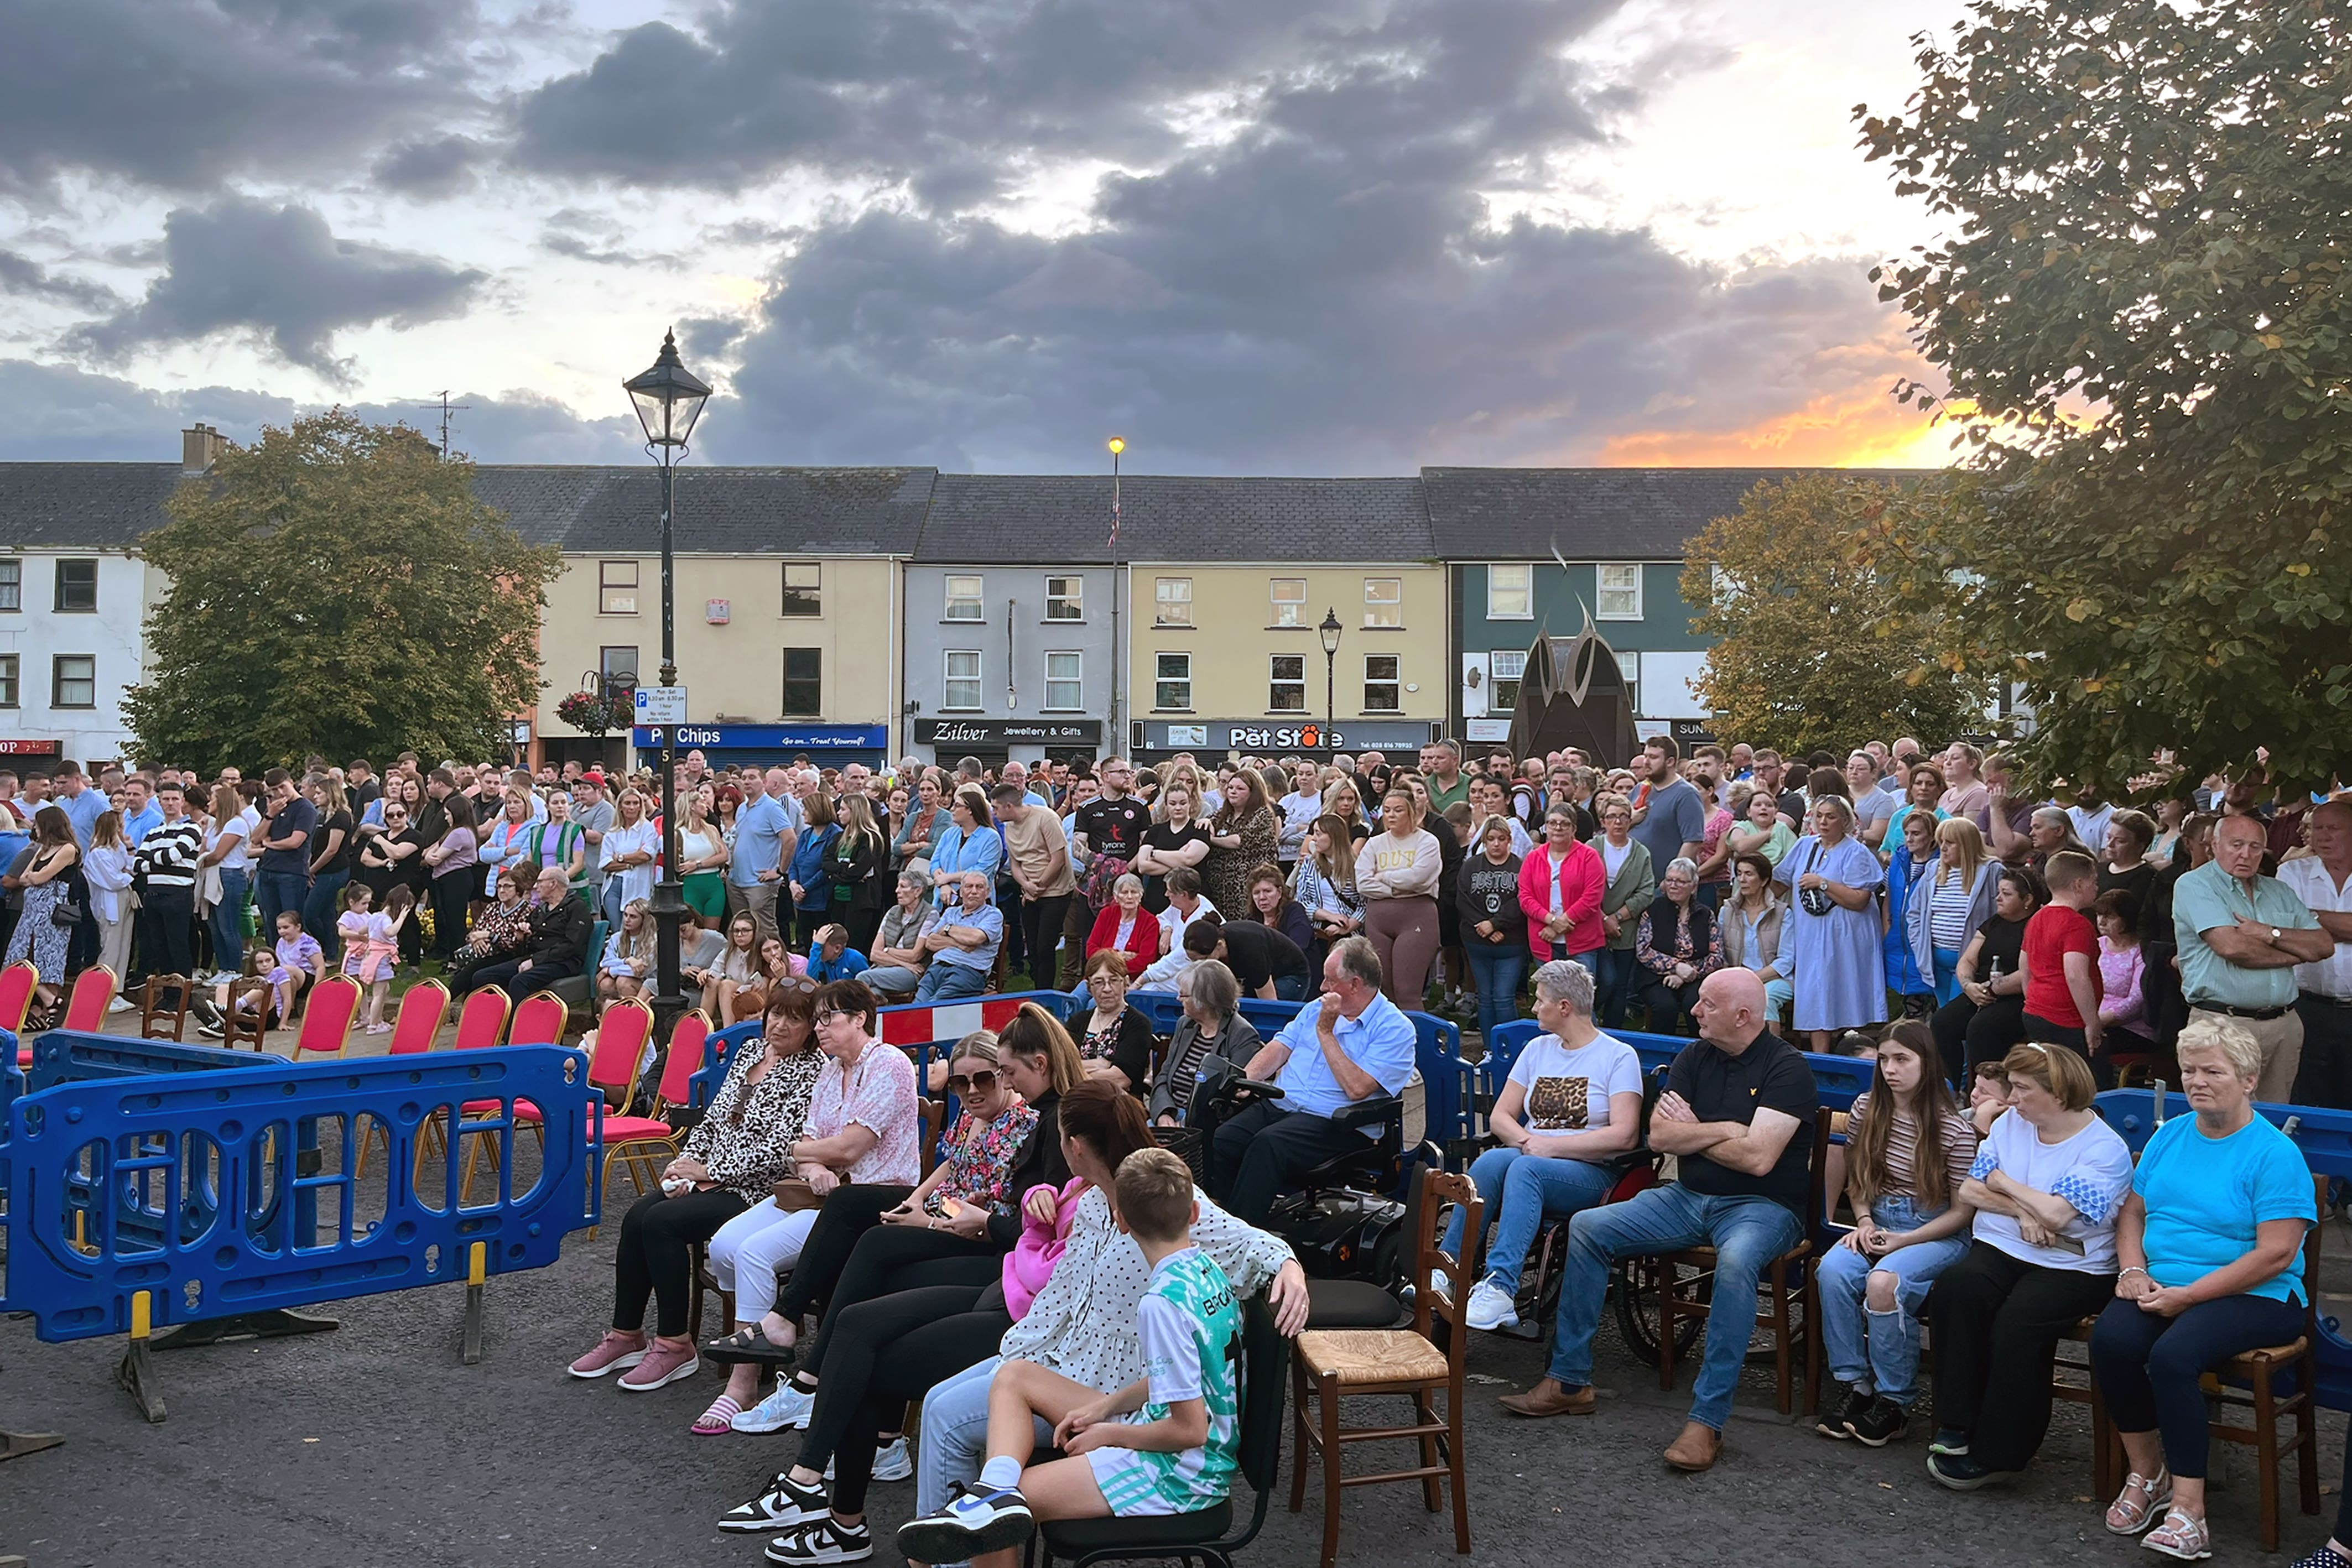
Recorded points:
(539, 1020)
(164, 1004)
(16, 983)
(1332, 1364)
(644, 1144)
(327, 1021)
(93, 992)
(935, 1126)
(1788, 1281)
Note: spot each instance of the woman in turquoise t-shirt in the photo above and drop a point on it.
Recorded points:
(2210, 1245)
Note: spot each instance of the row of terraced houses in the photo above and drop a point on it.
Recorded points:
(855, 614)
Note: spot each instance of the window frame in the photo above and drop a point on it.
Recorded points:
(1601, 591)
(57, 682)
(1073, 596)
(1277, 605)
(950, 680)
(605, 586)
(605, 666)
(1373, 607)
(1160, 600)
(1275, 681)
(977, 598)
(1162, 682)
(1394, 681)
(815, 590)
(11, 589)
(1497, 680)
(1078, 681)
(817, 680)
(1527, 589)
(59, 605)
(12, 680)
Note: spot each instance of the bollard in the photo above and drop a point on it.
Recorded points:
(137, 1370)
(475, 1276)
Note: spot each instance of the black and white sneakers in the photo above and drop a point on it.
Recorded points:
(823, 1540)
(782, 1506)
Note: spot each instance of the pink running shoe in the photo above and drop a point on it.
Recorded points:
(661, 1365)
(616, 1351)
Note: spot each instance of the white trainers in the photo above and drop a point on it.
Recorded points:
(783, 1505)
(123, 1005)
(787, 1406)
(1490, 1308)
(892, 1462)
(822, 1541)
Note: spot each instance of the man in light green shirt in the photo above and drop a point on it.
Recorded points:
(2241, 934)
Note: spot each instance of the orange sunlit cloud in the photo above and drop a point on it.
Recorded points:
(1854, 427)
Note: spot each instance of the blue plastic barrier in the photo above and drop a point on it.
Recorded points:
(137, 1202)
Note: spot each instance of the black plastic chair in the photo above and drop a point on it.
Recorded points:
(1203, 1536)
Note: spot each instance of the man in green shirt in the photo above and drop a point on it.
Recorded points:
(2241, 934)
(1441, 767)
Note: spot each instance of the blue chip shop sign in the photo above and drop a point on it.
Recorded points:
(1241, 734)
(783, 737)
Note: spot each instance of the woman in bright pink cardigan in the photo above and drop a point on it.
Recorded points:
(1571, 871)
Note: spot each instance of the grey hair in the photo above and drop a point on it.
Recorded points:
(2233, 1039)
(2053, 814)
(1684, 864)
(915, 880)
(1569, 983)
(1358, 958)
(1126, 879)
(1212, 988)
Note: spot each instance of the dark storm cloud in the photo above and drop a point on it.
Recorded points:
(60, 414)
(440, 166)
(278, 273)
(183, 94)
(21, 275)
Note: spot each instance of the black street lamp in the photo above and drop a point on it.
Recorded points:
(668, 400)
(1331, 630)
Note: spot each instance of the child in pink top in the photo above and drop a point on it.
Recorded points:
(2122, 967)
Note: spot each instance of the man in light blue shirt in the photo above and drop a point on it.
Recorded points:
(763, 844)
(1349, 1046)
(83, 805)
(140, 814)
(963, 944)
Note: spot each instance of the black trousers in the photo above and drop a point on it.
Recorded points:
(453, 893)
(167, 918)
(1041, 932)
(653, 1257)
(889, 1259)
(1998, 1321)
(1966, 1034)
(895, 1348)
(848, 1214)
(1670, 1006)
(2325, 1078)
(1260, 1154)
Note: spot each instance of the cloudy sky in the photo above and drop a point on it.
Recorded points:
(1302, 237)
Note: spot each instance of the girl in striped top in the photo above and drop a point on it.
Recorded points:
(1908, 1150)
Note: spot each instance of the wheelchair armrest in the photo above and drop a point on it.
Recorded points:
(1371, 1113)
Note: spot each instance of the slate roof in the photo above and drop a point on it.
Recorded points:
(82, 505)
(991, 518)
(1590, 514)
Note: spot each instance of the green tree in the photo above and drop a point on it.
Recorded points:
(336, 587)
(1812, 646)
(2144, 314)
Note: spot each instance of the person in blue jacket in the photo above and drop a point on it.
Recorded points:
(811, 875)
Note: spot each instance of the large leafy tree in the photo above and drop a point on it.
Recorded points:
(1813, 647)
(336, 587)
(2144, 314)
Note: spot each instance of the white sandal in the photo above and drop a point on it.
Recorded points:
(2180, 1536)
(2141, 1502)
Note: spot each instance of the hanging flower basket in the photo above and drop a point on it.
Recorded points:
(593, 714)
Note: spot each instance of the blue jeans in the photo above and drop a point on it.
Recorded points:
(1286, 989)
(229, 922)
(1496, 969)
(1747, 1233)
(275, 892)
(1522, 1191)
(945, 982)
(321, 908)
(1947, 977)
(1870, 1349)
(954, 1442)
(1615, 973)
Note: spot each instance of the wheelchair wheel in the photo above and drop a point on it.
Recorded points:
(1187, 1142)
(1637, 1306)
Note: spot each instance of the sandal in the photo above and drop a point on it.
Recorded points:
(2180, 1536)
(719, 1420)
(751, 1344)
(2141, 1502)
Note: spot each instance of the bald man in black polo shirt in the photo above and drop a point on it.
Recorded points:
(1737, 1115)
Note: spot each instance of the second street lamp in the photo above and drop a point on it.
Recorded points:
(669, 398)
(1331, 630)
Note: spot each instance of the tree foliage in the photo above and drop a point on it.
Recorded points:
(2145, 313)
(1812, 646)
(336, 587)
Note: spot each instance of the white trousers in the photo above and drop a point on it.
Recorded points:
(752, 1248)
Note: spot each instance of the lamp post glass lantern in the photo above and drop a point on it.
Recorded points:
(1330, 632)
(669, 398)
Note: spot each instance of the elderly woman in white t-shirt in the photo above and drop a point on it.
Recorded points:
(1571, 1105)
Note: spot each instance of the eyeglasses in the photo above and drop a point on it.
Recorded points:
(831, 1015)
(984, 1081)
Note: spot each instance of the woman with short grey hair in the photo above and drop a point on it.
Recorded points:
(899, 959)
(1677, 945)
(1570, 1108)
(1211, 1026)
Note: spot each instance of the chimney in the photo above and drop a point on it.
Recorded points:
(198, 447)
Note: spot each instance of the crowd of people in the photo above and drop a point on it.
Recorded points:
(1059, 1278)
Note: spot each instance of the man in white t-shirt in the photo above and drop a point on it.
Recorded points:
(1571, 1105)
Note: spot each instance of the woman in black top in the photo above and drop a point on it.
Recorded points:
(1266, 963)
(1988, 1017)
(861, 885)
(1177, 838)
(1114, 1039)
(329, 850)
(1270, 905)
(1211, 1026)
(1494, 926)
(391, 856)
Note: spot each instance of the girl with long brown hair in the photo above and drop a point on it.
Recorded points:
(1908, 1151)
